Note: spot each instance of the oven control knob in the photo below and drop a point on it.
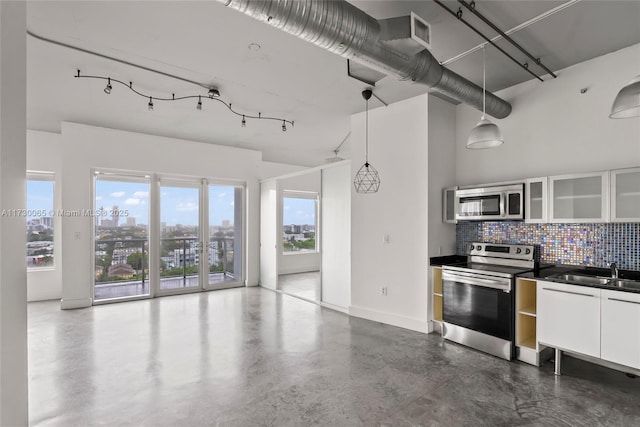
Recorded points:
(528, 251)
(479, 248)
(519, 250)
(472, 247)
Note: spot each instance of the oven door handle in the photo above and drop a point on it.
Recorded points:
(477, 281)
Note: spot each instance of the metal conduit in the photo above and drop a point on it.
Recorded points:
(347, 31)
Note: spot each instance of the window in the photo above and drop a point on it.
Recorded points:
(40, 224)
(299, 220)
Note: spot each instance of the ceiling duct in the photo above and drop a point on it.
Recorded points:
(345, 30)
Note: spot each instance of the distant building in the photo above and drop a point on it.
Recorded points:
(121, 270)
(131, 221)
(226, 223)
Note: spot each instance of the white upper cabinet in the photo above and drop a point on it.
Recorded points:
(579, 197)
(625, 195)
(449, 205)
(535, 210)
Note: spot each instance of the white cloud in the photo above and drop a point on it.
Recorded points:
(98, 198)
(132, 201)
(117, 194)
(141, 194)
(232, 204)
(221, 195)
(186, 207)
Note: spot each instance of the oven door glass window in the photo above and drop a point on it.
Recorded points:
(478, 308)
(480, 205)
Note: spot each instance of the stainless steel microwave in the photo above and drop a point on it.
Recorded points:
(504, 202)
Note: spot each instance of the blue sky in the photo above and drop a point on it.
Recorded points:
(298, 211)
(39, 197)
(178, 205)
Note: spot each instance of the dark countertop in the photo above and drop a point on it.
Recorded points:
(544, 273)
(439, 261)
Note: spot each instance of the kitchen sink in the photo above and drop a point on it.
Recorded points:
(580, 279)
(622, 283)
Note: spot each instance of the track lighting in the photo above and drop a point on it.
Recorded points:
(108, 88)
(212, 94)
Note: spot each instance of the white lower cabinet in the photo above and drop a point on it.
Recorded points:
(568, 317)
(621, 327)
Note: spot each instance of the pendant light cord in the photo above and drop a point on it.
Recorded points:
(484, 80)
(366, 134)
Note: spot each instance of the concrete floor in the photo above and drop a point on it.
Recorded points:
(301, 285)
(253, 357)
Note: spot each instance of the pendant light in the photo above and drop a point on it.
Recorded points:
(367, 179)
(486, 134)
(627, 102)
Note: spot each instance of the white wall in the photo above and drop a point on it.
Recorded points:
(273, 169)
(442, 174)
(269, 236)
(86, 147)
(336, 234)
(398, 140)
(13, 277)
(44, 154)
(293, 262)
(554, 129)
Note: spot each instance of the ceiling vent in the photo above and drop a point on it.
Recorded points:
(409, 34)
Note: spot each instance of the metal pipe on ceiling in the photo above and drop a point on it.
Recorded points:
(345, 30)
(478, 32)
(472, 8)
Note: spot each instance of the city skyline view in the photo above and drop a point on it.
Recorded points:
(299, 211)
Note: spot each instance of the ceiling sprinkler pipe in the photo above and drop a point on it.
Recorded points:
(345, 30)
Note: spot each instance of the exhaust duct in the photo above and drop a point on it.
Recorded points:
(345, 30)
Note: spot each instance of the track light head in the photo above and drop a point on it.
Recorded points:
(108, 88)
(284, 126)
(150, 105)
(244, 121)
(199, 106)
(214, 93)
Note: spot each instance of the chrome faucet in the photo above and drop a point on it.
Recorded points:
(614, 270)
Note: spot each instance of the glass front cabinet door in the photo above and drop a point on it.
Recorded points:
(449, 205)
(625, 195)
(535, 210)
(579, 197)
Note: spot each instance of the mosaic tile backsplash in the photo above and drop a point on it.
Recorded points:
(596, 245)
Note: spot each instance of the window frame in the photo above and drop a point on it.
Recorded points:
(45, 176)
(309, 195)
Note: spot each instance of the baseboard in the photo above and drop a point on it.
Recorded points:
(389, 319)
(70, 304)
(335, 307)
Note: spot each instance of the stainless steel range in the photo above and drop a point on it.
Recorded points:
(479, 297)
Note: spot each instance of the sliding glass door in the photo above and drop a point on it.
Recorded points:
(180, 236)
(225, 235)
(121, 219)
(176, 236)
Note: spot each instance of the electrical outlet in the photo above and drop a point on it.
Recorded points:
(384, 291)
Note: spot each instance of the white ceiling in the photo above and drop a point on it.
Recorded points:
(205, 42)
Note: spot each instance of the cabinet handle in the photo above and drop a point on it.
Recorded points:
(623, 300)
(568, 292)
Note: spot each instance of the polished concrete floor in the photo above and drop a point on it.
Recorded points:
(301, 285)
(253, 357)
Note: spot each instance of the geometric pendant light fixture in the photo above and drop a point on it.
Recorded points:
(627, 103)
(486, 134)
(367, 179)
